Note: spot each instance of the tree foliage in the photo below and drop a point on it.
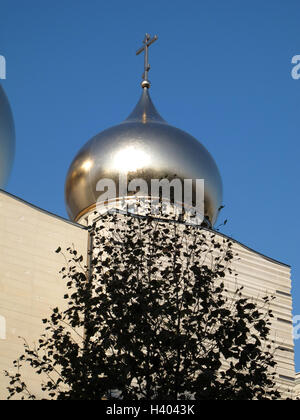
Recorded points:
(149, 317)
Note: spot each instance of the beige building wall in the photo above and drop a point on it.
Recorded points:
(30, 283)
(297, 385)
(262, 276)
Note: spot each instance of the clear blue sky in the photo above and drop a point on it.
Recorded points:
(221, 70)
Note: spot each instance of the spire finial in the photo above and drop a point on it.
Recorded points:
(147, 42)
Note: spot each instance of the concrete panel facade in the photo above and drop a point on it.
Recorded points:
(30, 283)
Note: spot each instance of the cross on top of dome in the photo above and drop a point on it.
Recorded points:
(147, 42)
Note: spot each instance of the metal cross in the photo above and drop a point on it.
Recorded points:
(147, 41)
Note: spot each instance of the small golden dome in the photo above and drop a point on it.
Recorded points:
(144, 146)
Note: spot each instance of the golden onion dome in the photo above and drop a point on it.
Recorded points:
(144, 147)
(7, 139)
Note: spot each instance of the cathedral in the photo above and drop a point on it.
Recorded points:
(139, 150)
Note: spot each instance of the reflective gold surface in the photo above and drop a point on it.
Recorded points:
(143, 146)
(7, 139)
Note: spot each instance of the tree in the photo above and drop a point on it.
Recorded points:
(150, 318)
